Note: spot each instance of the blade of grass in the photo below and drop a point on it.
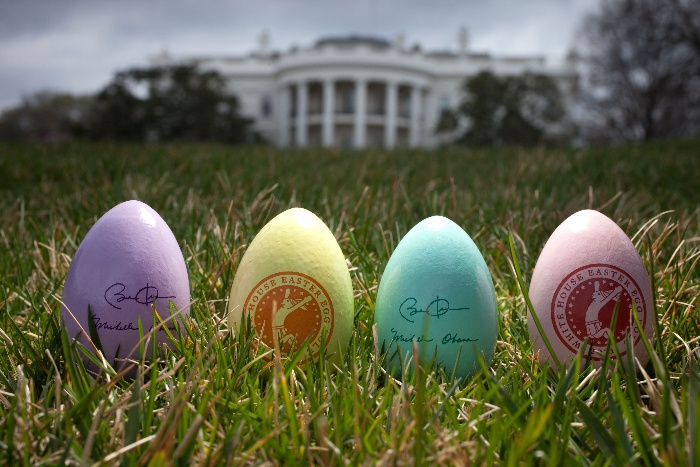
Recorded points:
(523, 290)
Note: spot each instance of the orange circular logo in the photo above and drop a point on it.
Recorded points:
(584, 304)
(291, 307)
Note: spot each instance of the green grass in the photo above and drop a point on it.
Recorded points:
(206, 401)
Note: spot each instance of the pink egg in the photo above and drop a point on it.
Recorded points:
(128, 264)
(587, 269)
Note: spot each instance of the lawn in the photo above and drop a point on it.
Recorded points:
(207, 401)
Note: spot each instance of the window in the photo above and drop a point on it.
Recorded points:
(348, 100)
(445, 103)
(266, 106)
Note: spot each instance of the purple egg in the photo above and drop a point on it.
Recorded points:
(128, 264)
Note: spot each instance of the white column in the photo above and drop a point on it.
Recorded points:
(283, 118)
(328, 121)
(360, 139)
(391, 111)
(416, 112)
(302, 113)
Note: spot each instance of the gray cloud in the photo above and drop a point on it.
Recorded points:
(76, 45)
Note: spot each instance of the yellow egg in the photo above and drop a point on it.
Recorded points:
(293, 284)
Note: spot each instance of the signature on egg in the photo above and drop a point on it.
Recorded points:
(436, 308)
(115, 326)
(448, 338)
(114, 295)
(119, 325)
(408, 338)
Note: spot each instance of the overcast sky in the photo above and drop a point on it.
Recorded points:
(77, 45)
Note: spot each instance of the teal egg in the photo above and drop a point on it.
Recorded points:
(437, 292)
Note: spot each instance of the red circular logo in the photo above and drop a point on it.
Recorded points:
(291, 307)
(585, 301)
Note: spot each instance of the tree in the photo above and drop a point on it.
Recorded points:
(168, 103)
(46, 116)
(497, 110)
(643, 63)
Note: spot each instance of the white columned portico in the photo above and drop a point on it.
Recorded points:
(302, 112)
(416, 112)
(284, 110)
(360, 135)
(391, 111)
(328, 120)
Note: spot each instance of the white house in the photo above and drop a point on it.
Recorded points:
(358, 91)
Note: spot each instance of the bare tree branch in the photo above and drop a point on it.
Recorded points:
(643, 64)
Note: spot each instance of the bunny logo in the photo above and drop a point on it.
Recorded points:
(291, 307)
(594, 327)
(585, 303)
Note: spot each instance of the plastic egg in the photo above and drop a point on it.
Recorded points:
(587, 269)
(293, 285)
(128, 264)
(437, 292)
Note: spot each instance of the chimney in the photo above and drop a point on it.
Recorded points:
(263, 42)
(400, 42)
(463, 40)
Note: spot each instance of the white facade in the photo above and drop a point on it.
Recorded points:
(362, 92)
